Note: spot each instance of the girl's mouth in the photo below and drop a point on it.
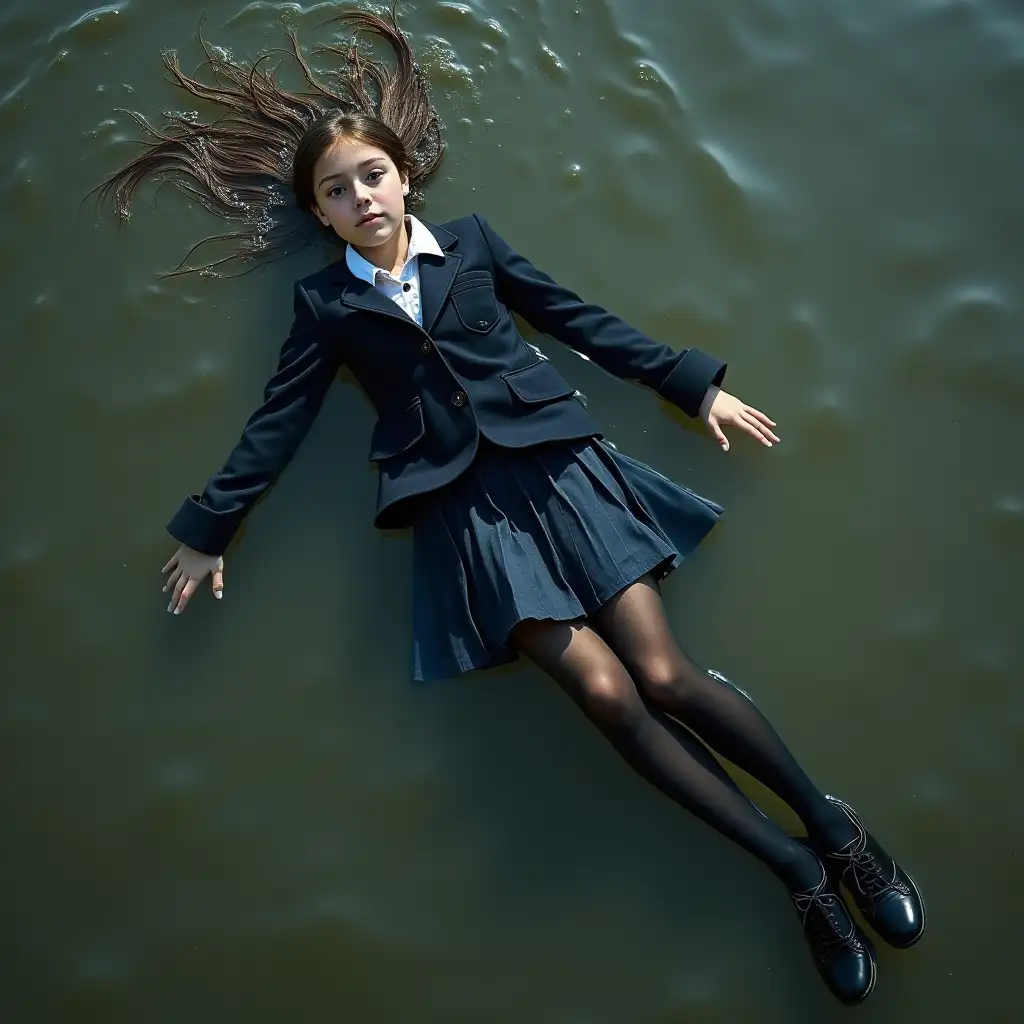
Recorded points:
(369, 219)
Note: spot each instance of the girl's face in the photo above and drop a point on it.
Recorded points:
(359, 193)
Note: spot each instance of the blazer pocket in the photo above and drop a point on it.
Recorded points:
(393, 434)
(475, 302)
(537, 382)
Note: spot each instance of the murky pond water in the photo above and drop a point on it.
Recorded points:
(249, 813)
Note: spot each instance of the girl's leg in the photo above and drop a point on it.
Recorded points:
(589, 671)
(636, 628)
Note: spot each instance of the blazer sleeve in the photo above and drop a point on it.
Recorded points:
(682, 378)
(306, 368)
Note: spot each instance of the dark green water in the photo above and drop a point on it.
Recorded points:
(249, 813)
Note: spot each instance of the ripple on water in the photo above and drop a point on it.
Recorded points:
(552, 65)
(23, 189)
(642, 93)
(830, 423)
(268, 13)
(144, 302)
(447, 13)
(964, 340)
(195, 380)
(1006, 514)
(737, 176)
(445, 72)
(437, 56)
(914, 255)
(10, 106)
(746, 203)
(1008, 33)
(39, 313)
(94, 26)
(144, 306)
(803, 335)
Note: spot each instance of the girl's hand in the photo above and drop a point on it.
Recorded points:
(720, 409)
(188, 569)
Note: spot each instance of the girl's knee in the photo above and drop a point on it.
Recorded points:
(610, 697)
(663, 681)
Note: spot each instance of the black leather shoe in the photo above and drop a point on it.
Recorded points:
(884, 893)
(842, 953)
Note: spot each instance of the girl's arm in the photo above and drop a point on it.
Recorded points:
(682, 378)
(306, 367)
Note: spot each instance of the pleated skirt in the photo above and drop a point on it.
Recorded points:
(551, 531)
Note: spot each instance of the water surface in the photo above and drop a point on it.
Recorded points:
(249, 812)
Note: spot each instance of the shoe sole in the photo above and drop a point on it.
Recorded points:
(871, 984)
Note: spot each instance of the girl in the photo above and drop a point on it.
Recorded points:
(530, 534)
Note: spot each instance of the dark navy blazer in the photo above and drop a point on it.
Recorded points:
(467, 371)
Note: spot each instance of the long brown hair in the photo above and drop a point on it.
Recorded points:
(241, 165)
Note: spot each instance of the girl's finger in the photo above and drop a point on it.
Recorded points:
(176, 596)
(717, 431)
(189, 590)
(218, 582)
(170, 564)
(752, 427)
(762, 429)
(757, 414)
(172, 579)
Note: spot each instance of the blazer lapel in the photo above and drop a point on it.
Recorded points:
(359, 294)
(436, 277)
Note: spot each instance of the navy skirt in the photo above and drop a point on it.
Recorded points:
(551, 531)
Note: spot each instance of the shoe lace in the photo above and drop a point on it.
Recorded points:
(819, 913)
(862, 868)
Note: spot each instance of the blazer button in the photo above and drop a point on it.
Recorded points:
(459, 398)
(481, 323)
(425, 347)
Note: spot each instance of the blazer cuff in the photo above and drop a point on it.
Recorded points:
(688, 381)
(202, 528)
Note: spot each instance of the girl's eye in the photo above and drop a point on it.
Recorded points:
(334, 191)
(375, 175)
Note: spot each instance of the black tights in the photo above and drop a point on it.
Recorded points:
(626, 658)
